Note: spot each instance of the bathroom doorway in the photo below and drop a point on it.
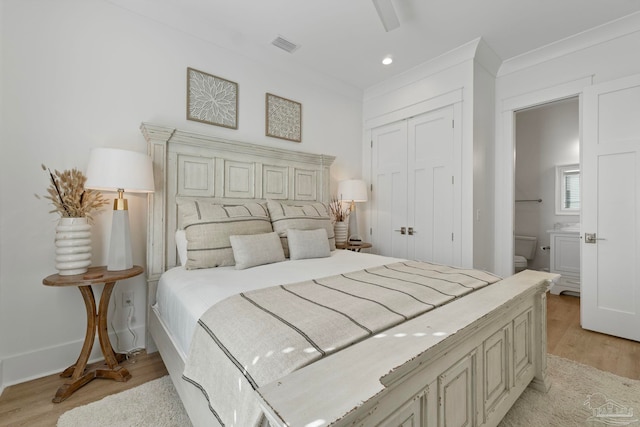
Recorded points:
(547, 160)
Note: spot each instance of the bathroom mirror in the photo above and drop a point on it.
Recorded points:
(568, 189)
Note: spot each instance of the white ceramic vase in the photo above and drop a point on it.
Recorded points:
(340, 229)
(73, 246)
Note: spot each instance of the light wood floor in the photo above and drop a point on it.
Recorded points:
(565, 338)
(29, 404)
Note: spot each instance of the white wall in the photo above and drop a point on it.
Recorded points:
(79, 74)
(546, 136)
(2, 192)
(483, 167)
(557, 71)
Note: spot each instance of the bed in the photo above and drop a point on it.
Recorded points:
(462, 363)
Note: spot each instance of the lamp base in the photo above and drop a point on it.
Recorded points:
(120, 256)
(354, 240)
(354, 237)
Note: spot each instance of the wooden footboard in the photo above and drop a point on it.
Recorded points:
(464, 364)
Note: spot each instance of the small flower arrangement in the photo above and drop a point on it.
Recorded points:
(69, 197)
(337, 210)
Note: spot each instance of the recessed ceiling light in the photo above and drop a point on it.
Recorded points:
(387, 60)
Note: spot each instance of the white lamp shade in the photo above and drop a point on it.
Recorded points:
(110, 169)
(352, 190)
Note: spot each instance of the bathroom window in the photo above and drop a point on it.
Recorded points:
(568, 189)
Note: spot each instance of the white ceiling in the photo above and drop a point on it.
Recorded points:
(345, 39)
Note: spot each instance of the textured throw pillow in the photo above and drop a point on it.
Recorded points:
(305, 244)
(300, 217)
(208, 227)
(256, 249)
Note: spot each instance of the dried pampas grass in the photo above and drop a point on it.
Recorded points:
(337, 210)
(69, 197)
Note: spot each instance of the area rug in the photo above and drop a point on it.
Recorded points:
(579, 396)
(154, 404)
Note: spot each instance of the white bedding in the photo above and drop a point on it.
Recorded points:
(184, 295)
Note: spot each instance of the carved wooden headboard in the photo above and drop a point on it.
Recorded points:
(189, 165)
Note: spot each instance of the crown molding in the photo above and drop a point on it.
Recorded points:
(601, 34)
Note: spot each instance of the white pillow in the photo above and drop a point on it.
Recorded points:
(181, 246)
(250, 250)
(308, 243)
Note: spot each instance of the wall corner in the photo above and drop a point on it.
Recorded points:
(487, 58)
(1, 379)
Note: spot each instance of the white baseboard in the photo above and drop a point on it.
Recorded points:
(46, 361)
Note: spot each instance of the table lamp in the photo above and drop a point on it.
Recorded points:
(354, 190)
(111, 169)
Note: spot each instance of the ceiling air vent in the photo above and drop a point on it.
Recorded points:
(285, 44)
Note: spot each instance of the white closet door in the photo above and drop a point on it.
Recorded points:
(389, 195)
(430, 186)
(610, 276)
(412, 197)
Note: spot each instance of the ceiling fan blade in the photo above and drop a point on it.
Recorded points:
(387, 14)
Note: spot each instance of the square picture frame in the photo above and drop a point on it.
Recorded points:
(283, 118)
(211, 99)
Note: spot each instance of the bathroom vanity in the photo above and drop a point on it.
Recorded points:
(565, 259)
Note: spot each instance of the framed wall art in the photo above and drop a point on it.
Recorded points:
(283, 118)
(211, 99)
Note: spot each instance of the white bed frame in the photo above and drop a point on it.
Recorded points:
(464, 364)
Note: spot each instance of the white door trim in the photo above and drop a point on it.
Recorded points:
(431, 104)
(505, 167)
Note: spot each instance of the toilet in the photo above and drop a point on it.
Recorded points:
(524, 250)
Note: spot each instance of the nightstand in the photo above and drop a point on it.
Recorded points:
(352, 247)
(79, 373)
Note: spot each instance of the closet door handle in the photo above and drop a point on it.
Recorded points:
(411, 231)
(403, 230)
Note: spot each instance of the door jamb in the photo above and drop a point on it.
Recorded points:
(505, 162)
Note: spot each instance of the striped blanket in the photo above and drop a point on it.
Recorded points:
(255, 338)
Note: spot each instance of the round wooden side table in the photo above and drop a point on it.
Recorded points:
(79, 373)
